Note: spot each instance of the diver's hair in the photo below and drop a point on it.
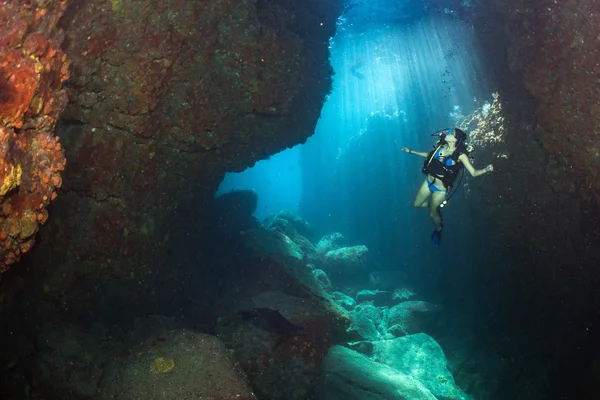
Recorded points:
(461, 137)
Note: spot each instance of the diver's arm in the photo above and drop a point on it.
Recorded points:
(417, 153)
(474, 172)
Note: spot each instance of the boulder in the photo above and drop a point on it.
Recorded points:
(396, 331)
(236, 208)
(412, 316)
(298, 223)
(346, 259)
(329, 242)
(347, 302)
(376, 314)
(364, 326)
(272, 242)
(422, 358)
(402, 294)
(176, 365)
(289, 229)
(369, 321)
(280, 366)
(270, 268)
(348, 375)
(322, 278)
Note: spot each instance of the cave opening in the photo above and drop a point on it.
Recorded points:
(402, 72)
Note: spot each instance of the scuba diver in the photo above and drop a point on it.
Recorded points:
(442, 166)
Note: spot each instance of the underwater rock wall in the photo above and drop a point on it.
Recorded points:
(552, 48)
(545, 191)
(544, 195)
(32, 72)
(165, 97)
(168, 96)
(555, 46)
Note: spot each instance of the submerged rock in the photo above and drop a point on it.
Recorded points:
(412, 316)
(403, 293)
(347, 302)
(322, 278)
(164, 98)
(329, 242)
(301, 226)
(369, 322)
(396, 331)
(236, 208)
(272, 321)
(364, 326)
(287, 228)
(281, 366)
(421, 357)
(346, 259)
(348, 375)
(177, 365)
(272, 242)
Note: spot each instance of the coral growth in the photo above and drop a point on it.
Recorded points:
(32, 72)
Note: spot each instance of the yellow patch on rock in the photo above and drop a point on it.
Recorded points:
(162, 365)
(11, 180)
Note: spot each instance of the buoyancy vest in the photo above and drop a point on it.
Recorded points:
(445, 169)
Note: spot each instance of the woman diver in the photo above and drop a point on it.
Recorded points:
(442, 166)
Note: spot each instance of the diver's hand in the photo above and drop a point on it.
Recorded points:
(406, 150)
(489, 168)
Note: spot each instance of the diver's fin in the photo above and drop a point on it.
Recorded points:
(436, 237)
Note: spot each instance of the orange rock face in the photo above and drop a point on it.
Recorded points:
(32, 72)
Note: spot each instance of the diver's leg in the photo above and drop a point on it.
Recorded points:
(437, 198)
(421, 196)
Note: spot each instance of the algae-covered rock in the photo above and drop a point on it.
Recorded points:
(322, 278)
(301, 226)
(369, 322)
(272, 242)
(412, 316)
(348, 375)
(345, 301)
(364, 326)
(289, 228)
(421, 357)
(178, 365)
(284, 365)
(280, 365)
(347, 258)
(329, 242)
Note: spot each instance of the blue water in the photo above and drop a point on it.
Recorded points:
(420, 71)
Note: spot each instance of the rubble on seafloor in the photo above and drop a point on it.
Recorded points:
(376, 318)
